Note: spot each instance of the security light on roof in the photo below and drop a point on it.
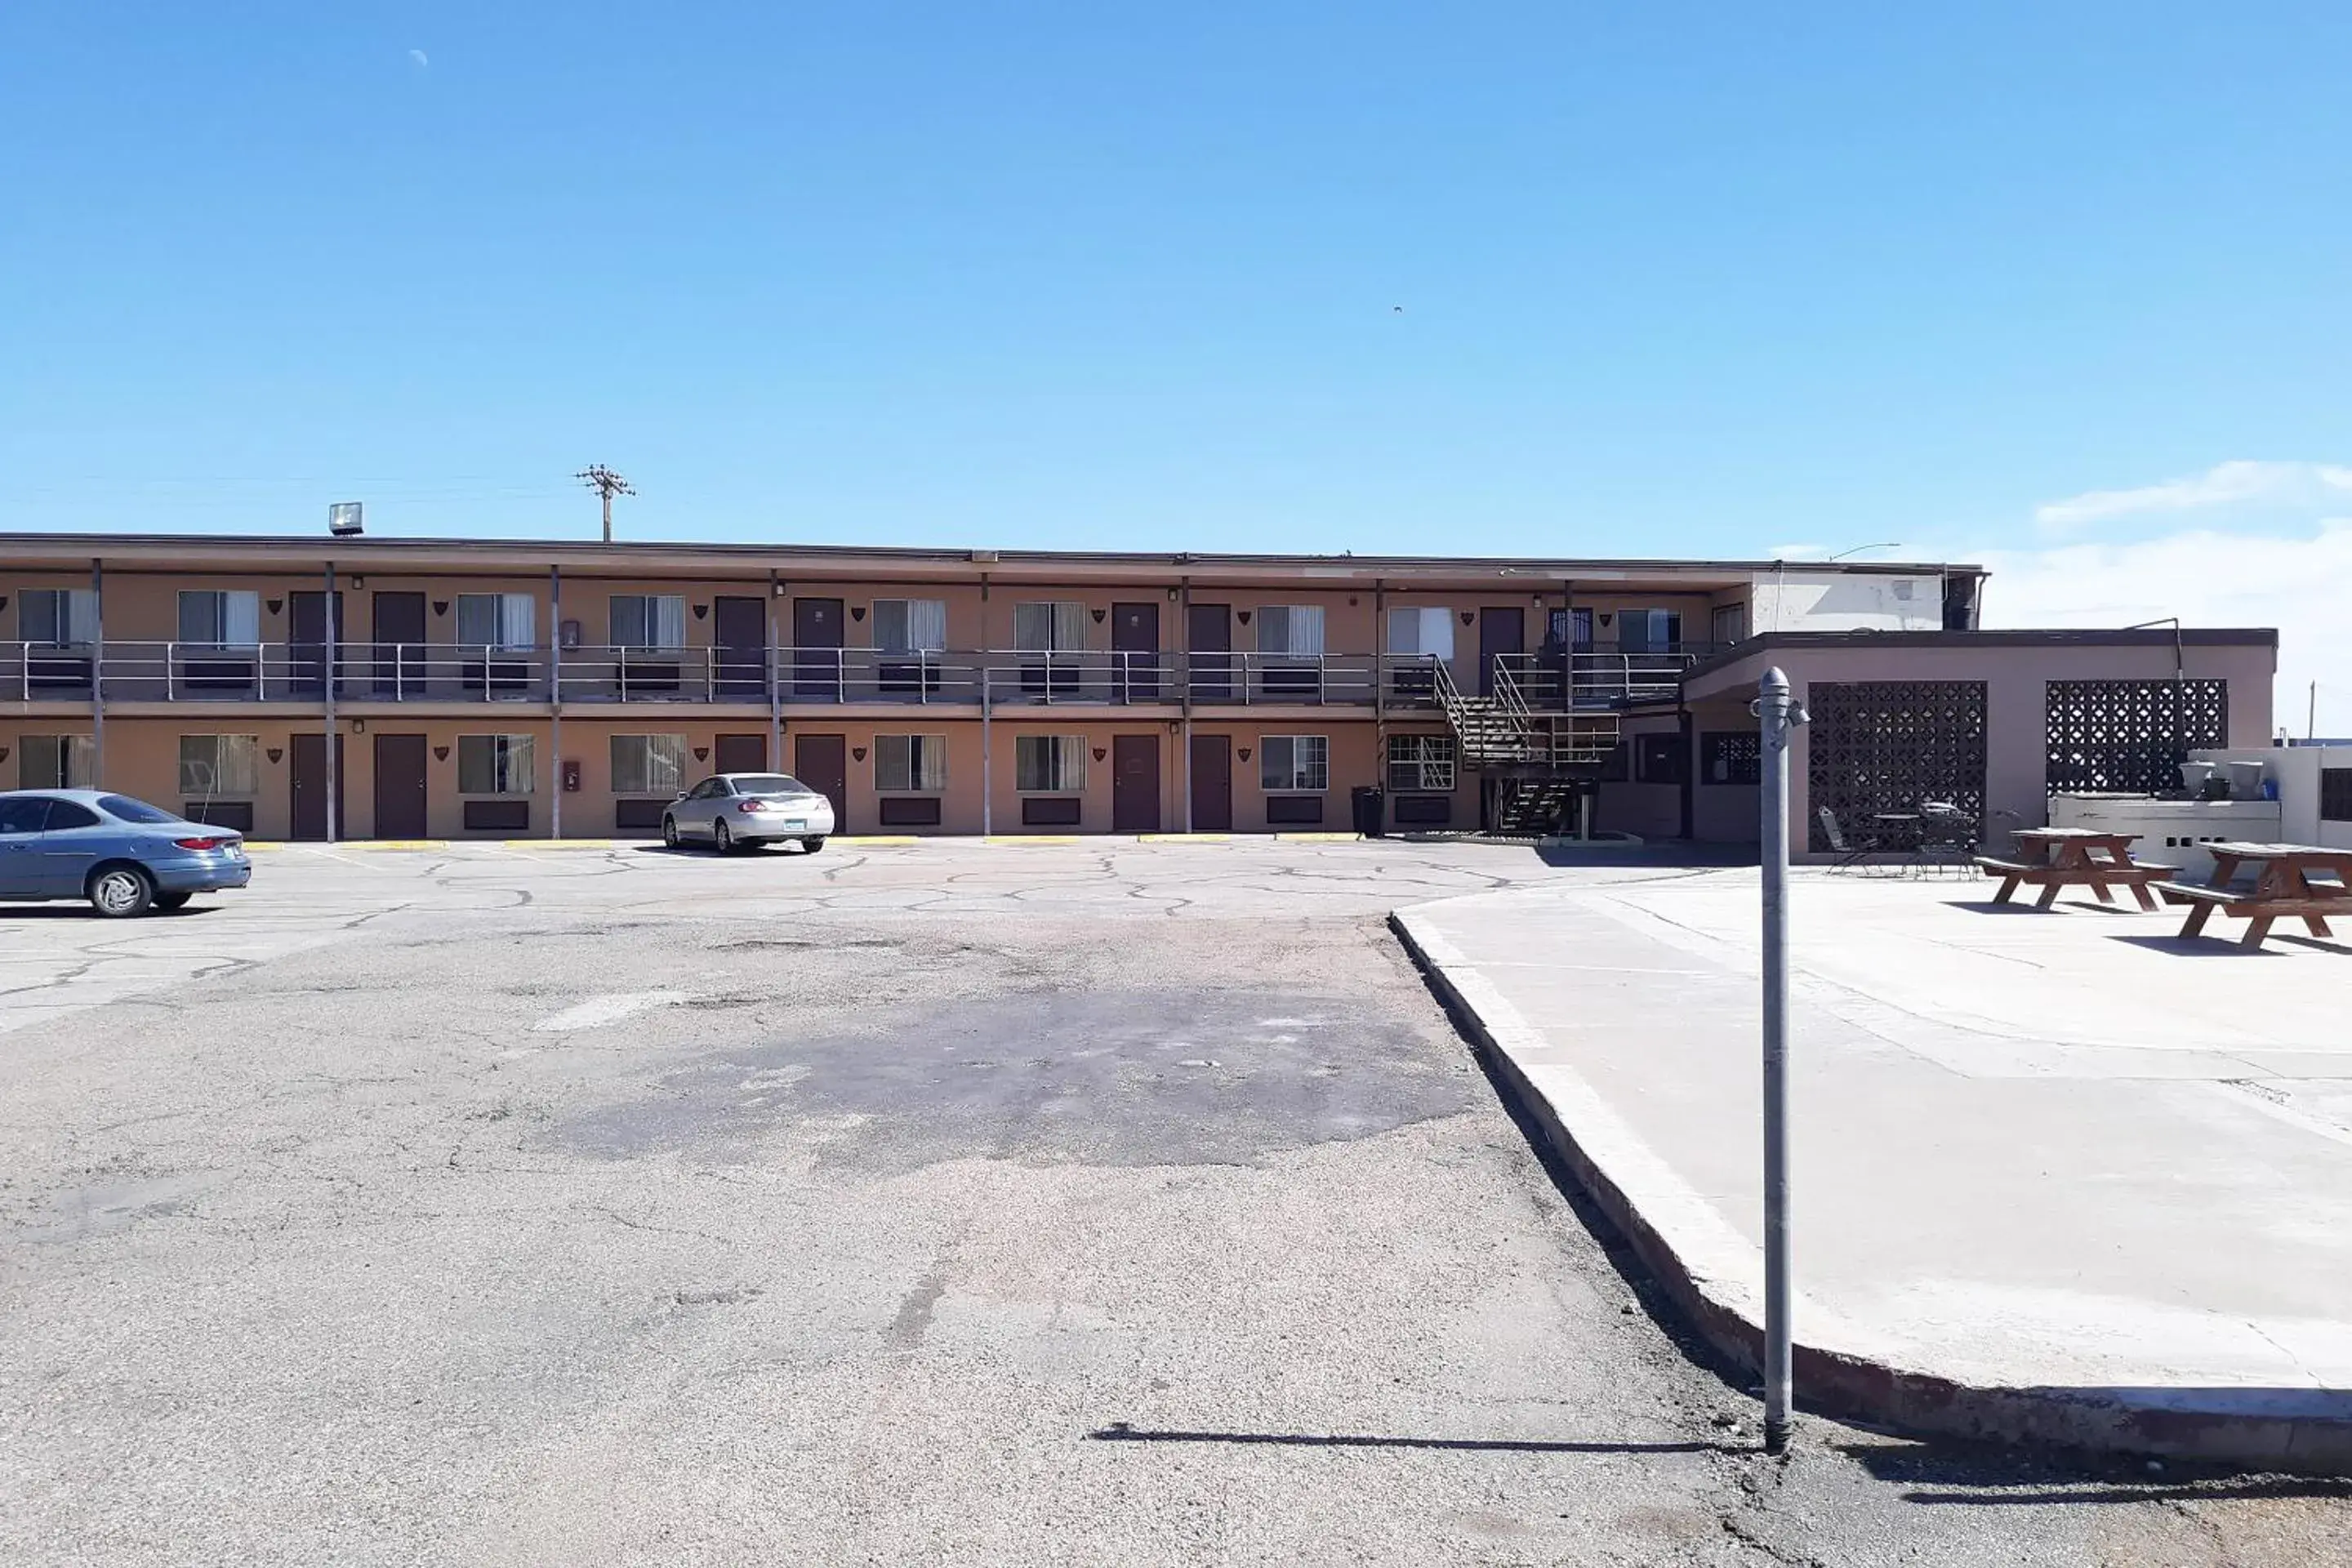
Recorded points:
(343, 519)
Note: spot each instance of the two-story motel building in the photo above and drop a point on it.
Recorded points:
(374, 687)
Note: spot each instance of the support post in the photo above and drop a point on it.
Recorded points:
(775, 688)
(987, 757)
(334, 772)
(555, 694)
(97, 675)
(1776, 717)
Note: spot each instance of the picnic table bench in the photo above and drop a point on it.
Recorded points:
(2056, 858)
(2281, 887)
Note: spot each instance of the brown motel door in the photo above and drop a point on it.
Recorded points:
(1212, 784)
(1209, 637)
(742, 754)
(817, 627)
(399, 650)
(739, 641)
(306, 781)
(400, 786)
(1501, 630)
(1135, 637)
(1135, 784)
(822, 762)
(308, 610)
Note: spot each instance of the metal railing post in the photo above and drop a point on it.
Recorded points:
(987, 757)
(1776, 717)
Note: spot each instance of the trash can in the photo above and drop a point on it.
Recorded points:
(1368, 802)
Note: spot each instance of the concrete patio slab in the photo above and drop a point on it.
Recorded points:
(2057, 1176)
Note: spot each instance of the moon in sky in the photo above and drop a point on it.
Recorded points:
(418, 55)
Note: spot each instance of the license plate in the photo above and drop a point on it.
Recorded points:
(797, 822)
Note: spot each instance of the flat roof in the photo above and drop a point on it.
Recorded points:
(623, 554)
(2087, 636)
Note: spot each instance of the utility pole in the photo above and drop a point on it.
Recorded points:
(606, 484)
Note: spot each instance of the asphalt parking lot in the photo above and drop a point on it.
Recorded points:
(1093, 1202)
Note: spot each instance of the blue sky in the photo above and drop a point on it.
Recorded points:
(1673, 278)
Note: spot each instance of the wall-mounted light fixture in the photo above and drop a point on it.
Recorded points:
(701, 754)
(275, 605)
(357, 580)
(1174, 726)
(1173, 593)
(358, 726)
(858, 753)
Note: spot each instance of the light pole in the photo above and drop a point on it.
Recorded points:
(1777, 716)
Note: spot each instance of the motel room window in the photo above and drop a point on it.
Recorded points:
(1295, 763)
(215, 618)
(910, 764)
(1049, 764)
(1421, 763)
(1055, 626)
(495, 620)
(1728, 624)
(496, 764)
(914, 626)
(56, 762)
(1422, 631)
(642, 623)
(1296, 630)
(648, 764)
(212, 766)
(1730, 757)
(1649, 631)
(2335, 794)
(57, 618)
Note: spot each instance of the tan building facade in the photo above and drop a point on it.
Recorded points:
(531, 690)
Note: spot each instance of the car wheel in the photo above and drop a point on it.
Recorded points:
(720, 840)
(811, 846)
(121, 891)
(172, 901)
(669, 831)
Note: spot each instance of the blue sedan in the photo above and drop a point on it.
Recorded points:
(124, 856)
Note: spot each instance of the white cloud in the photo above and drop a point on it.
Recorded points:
(2299, 583)
(2236, 484)
(1797, 551)
(418, 55)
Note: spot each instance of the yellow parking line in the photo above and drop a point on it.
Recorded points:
(1318, 837)
(262, 846)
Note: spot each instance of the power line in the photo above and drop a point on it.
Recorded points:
(606, 484)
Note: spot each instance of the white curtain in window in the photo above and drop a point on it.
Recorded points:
(217, 766)
(1294, 629)
(909, 625)
(1429, 631)
(57, 618)
(1059, 625)
(218, 619)
(653, 621)
(56, 762)
(495, 620)
(1051, 764)
(910, 763)
(496, 764)
(648, 764)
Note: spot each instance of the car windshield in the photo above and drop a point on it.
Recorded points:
(122, 808)
(769, 784)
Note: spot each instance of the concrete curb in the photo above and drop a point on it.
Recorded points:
(2256, 1428)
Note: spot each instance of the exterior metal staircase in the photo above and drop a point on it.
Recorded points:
(1536, 767)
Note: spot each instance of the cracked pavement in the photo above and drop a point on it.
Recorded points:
(1090, 1203)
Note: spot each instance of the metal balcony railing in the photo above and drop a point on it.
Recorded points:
(134, 672)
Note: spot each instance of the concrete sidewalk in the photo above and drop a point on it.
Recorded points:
(2056, 1175)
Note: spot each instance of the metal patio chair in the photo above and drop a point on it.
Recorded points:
(1848, 855)
(1948, 838)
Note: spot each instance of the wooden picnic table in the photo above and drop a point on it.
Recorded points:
(2281, 887)
(2056, 858)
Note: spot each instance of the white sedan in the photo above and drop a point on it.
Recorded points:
(734, 811)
